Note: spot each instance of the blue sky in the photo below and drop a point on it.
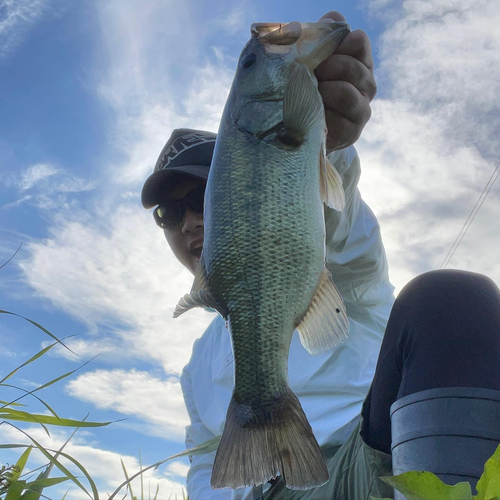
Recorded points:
(89, 93)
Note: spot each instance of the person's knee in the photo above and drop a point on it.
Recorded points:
(446, 286)
(450, 311)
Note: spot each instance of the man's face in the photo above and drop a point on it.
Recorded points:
(186, 238)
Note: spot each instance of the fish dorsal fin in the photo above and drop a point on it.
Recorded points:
(302, 106)
(200, 294)
(325, 324)
(331, 189)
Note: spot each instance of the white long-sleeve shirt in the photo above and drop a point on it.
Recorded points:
(332, 386)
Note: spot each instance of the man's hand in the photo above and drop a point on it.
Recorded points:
(347, 86)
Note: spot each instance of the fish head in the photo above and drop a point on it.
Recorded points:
(266, 64)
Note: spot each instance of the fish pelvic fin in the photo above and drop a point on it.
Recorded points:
(302, 106)
(331, 189)
(254, 450)
(200, 294)
(325, 324)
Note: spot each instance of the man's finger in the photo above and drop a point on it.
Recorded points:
(341, 132)
(345, 68)
(344, 99)
(357, 44)
(333, 14)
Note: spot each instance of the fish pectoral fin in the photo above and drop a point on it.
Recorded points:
(330, 181)
(302, 106)
(200, 294)
(325, 324)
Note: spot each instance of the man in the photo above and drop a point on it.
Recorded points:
(421, 342)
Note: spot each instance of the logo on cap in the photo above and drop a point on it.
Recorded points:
(180, 145)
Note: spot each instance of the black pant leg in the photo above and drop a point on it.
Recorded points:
(443, 331)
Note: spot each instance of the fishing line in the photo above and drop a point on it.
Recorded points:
(472, 216)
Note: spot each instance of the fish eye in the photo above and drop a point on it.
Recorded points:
(248, 60)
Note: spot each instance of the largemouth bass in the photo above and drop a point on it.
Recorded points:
(263, 261)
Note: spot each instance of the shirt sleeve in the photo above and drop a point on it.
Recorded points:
(198, 476)
(355, 254)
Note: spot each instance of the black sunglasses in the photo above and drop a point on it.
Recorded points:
(171, 212)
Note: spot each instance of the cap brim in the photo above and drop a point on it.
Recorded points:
(155, 185)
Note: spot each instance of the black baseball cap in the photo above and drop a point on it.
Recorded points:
(188, 152)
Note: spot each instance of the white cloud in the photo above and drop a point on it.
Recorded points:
(178, 468)
(109, 266)
(432, 142)
(51, 187)
(114, 272)
(16, 18)
(159, 403)
(104, 466)
(34, 174)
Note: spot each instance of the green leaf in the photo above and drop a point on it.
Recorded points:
(419, 485)
(36, 356)
(15, 490)
(20, 464)
(61, 467)
(129, 485)
(22, 416)
(377, 498)
(10, 404)
(34, 489)
(488, 486)
(157, 490)
(44, 483)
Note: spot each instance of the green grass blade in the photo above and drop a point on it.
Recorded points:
(34, 323)
(142, 477)
(21, 463)
(63, 376)
(44, 483)
(27, 393)
(35, 488)
(12, 256)
(10, 414)
(129, 485)
(84, 471)
(61, 467)
(64, 496)
(34, 358)
(157, 490)
(15, 490)
(22, 416)
(10, 404)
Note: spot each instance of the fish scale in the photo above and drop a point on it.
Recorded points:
(263, 260)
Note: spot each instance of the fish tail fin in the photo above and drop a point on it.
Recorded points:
(256, 448)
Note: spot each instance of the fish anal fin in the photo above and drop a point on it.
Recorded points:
(325, 324)
(255, 448)
(200, 294)
(331, 189)
(302, 106)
